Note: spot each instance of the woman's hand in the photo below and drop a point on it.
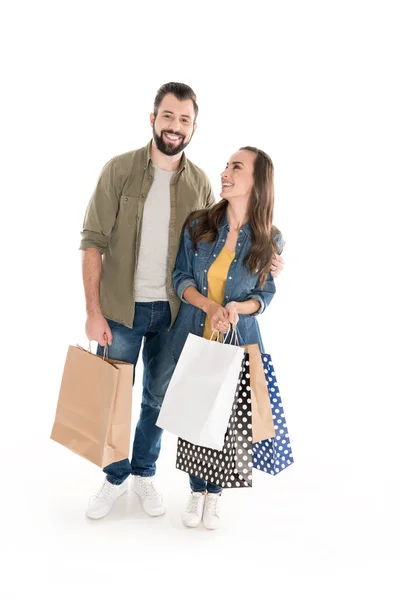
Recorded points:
(233, 316)
(218, 316)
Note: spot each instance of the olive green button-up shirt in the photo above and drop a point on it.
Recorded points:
(113, 225)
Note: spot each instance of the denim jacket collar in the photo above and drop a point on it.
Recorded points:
(246, 228)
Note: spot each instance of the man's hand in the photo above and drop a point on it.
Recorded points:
(218, 316)
(277, 265)
(233, 316)
(98, 330)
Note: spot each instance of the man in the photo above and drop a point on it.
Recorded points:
(130, 239)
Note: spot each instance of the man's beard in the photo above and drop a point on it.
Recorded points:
(168, 148)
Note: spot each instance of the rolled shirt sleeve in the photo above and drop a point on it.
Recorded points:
(264, 294)
(102, 210)
(183, 276)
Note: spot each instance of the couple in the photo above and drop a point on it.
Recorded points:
(146, 283)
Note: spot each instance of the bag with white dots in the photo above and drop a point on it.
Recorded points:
(275, 454)
(230, 467)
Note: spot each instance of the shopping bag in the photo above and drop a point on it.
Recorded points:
(200, 395)
(93, 416)
(263, 426)
(232, 466)
(275, 454)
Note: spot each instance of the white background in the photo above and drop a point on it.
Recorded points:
(314, 84)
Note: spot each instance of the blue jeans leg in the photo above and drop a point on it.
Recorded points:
(197, 484)
(126, 347)
(158, 369)
(213, 489)
(151, 323)
(200, 485)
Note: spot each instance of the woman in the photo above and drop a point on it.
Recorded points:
(222, 276)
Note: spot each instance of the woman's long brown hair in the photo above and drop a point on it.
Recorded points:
(203, 224)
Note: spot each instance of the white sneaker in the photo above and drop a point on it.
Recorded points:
(194, 509)
(151, 499)
(211, 514)
(101, 504)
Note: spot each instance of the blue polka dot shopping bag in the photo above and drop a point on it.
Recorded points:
(275, 454)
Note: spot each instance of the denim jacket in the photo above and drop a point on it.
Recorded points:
(191, 269)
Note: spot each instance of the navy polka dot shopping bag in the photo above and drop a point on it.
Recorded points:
(275, 454)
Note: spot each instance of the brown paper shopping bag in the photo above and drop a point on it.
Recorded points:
(263, 425)
(93, 417)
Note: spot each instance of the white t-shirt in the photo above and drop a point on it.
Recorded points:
(151, 273)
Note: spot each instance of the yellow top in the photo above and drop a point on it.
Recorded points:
(217, 274)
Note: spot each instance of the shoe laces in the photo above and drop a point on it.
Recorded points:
(105, 491)
(194, 502)
(213, 504)
(148, 487)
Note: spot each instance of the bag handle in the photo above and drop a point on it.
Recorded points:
(220, 336)
(236, 338)
(105, 352)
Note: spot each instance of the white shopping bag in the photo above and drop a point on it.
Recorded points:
(198, 403)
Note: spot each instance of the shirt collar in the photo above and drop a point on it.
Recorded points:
(182, 165)
(246, 228)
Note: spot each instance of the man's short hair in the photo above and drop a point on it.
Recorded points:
(180, 91)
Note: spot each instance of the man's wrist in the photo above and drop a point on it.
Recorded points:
(93, 312)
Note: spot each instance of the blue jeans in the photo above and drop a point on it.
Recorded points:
(151, 323)
(199, 485)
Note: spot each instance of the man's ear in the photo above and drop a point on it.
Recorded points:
(194, 128)
(152, 119)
